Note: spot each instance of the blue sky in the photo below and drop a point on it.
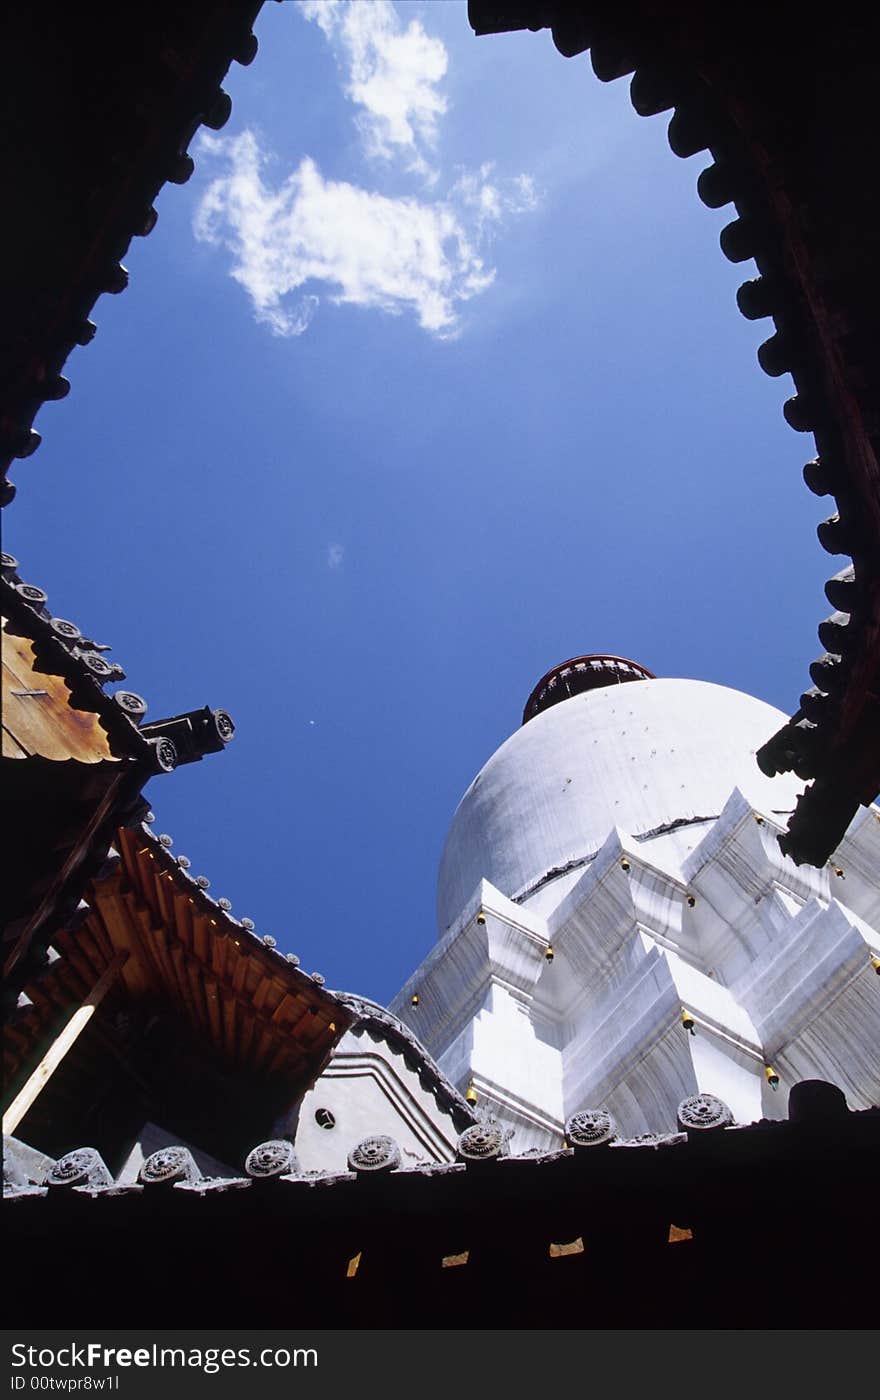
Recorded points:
(431, 377)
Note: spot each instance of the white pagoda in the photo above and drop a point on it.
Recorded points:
(619, 929)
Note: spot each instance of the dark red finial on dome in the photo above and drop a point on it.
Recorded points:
(580, 674)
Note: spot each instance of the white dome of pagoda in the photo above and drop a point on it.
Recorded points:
(649, 756)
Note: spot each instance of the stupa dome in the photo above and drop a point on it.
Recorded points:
(650, 756)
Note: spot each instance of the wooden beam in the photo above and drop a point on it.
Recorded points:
(72, 955)
(228, 1003)
(94, 922)
(60, 1046)
(144, 943)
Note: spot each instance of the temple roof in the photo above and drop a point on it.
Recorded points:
(250, 1006)
(75, 758)
(585, 1234)
(38, 644)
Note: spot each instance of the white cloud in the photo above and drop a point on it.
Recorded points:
(367, 249)
(335, 556)
(392, 74)
(490, 201)
(310, 234)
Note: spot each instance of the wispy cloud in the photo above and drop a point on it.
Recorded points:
(489, 200)
(304, 234)
(335, 555)
(392, 74)
(369, 250)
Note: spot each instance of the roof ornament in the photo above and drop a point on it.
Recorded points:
(484, 1140)
(165, 756)
(194, 734)
(374, 1154)
(135, 706)
(36, 597)
(82, 1167)
(69, 632)
(168, 1167)
(703, 1113)
(271, 1159)
(590, 1127)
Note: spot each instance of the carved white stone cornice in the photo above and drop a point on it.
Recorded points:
(494, 942)
(824, 948)
(743, 840)
(858, 856)
(743, 890)
(623, 891)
